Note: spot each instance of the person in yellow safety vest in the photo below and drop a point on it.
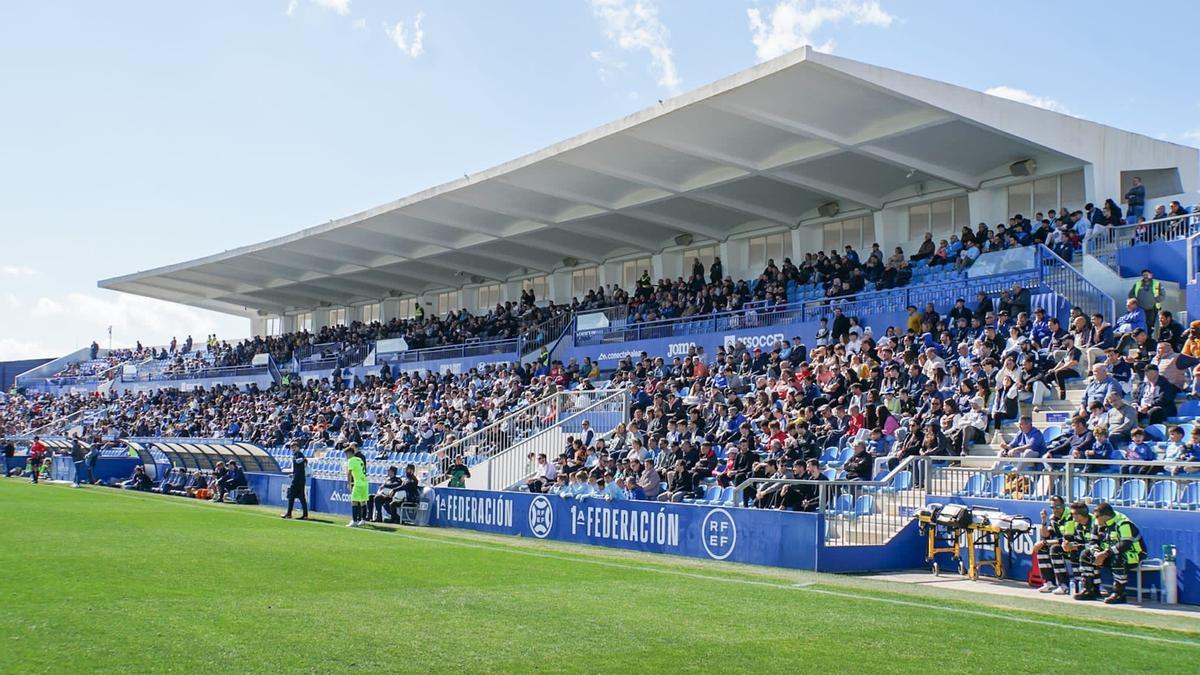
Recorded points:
(644, 285)
(1118, 546)
(544, 357)
(1148, 292)
(419, 312)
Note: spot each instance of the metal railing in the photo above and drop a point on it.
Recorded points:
(201, 374)
(515, 427)
(1103, 241)
(545, 333)
(1069, 283)
(856, 513)
(1193, 254)
(506, 469)
(495, 437)
(860, 304)
(1148, 484)
(474, 348)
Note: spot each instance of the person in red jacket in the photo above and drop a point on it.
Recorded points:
(37, 452)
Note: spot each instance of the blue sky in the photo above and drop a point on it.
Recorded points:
(139, 134)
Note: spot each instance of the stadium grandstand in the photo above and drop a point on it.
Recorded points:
(767, 321)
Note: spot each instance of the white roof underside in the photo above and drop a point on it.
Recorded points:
(762, 148)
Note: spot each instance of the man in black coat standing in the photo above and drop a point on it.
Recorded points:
(841, 325)
(299, 482)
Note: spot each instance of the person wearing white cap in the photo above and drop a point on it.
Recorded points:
(968, 425)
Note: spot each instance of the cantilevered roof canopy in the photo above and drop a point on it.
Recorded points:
(764, 147)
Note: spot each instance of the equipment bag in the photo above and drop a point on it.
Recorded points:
(247, 497)
(954, 516)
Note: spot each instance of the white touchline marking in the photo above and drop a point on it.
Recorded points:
(805, 587)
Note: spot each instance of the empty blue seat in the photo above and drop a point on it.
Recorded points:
(1132, 492)
(973, 488)
(1051, 432)
(1102, 491)
(1162, 494)
(864, 506)
(903, 480)
(727, 496)
(995, 487)
(1190, 499)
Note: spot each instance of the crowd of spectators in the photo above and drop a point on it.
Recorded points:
(934, 386)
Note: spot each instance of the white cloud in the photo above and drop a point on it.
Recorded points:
(633, 25)
(608, 65)
(341, 7)
(45, 307)
(411, 43)
(359, 24)
(133, 317)
(17, 271)
(56, 325)
(14, 350)
(1191, 136)
(1022, 96)
(12, 300)
(791, 24)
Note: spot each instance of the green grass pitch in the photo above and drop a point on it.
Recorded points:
(102, 580)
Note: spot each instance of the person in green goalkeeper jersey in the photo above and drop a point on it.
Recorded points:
(360, 489)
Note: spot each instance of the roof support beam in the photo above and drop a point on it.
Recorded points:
(681, 225)
(952, 176)
(833, 190)
(620, 238)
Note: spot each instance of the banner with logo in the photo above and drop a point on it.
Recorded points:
(761, 537)
(1159, 527)
(764, 337)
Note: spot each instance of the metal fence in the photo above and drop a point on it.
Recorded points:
(861, 304)
(1068, 282)
(519, 425)
(856, 513)
(1102, 242)
(1145, 484)
(505, 469)
(470, 348)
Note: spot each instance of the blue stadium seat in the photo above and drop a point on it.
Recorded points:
(903, 480)
(974, 486)
(843, 457)
(1102, 491)
(865, 506)
(1051, 432)
(1190, 499)
(995, 487)
(1158, 432)
(829, 455)
(844, 505)
(727, 496)
(1132, 492)
(1162, 494)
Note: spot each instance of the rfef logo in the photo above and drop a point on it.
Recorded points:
(718, 533)
(541, 517)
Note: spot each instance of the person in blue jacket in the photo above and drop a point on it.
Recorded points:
(1140, 450)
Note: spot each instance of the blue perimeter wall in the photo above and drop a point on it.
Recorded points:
(1158, 527)
(754, 536)
(1167, 260)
